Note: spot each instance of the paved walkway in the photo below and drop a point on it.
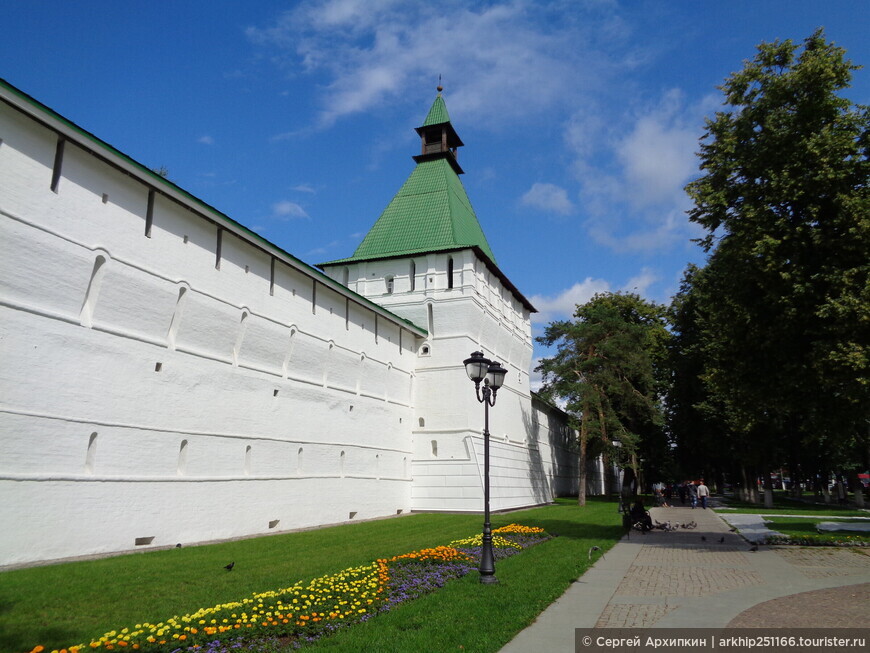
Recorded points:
(689, 579)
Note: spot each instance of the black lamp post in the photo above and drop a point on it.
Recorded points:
(492, 374)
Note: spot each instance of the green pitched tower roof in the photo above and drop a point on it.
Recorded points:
(437, 114)
(431, 212)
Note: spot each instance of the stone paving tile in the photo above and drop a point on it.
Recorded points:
(664, 555)
(810, 572)
(632, 615)
(684, 581)
(814, 557)
(837, 607)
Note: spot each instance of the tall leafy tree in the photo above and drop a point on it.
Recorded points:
(785, 201)
(605, 371)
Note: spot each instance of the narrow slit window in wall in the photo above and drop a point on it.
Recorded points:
(345, 277)
(240, 337)
(182, 459)
(149, 213)
(87, 313)
(390, 285)
(450, 273)
(58, 164)
(347, 313)
(217, 253)
(176, 319)
(91, 454)
(314, 297)
(412, 276)
(272, 277)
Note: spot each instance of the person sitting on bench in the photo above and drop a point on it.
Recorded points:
(639, 515)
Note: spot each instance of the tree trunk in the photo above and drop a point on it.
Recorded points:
(627, 492)
(581, 482)
(797, 479)
(753, 488)
(635, 466)
(823, 482)
(768, 489)
(857, 488)
(743, 488)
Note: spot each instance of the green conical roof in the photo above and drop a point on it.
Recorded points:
(431, 212)
(437, 114)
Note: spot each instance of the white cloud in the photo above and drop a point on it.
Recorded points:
(205, 140)
(535, 379)
(658, 155)
(562, 306)
(519, 62)
(632, 172)
(548, 197)
(303, 188)
(498, 60)
(640, 283)
(288, 210)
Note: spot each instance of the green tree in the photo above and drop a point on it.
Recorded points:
(785, 201)
(605, 370)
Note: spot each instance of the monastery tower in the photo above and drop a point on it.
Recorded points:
(427, 260)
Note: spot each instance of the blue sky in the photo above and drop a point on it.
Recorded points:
(580, 118)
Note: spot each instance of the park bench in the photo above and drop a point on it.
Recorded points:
(629, 522)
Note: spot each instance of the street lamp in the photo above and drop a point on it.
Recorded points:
(491, 373)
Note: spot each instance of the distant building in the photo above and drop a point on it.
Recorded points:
(170, 376)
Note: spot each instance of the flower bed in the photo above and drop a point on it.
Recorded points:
(303, 612)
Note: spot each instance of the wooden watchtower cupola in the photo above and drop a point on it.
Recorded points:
(438, 138)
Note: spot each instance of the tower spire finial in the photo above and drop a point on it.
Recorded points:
(440, 88)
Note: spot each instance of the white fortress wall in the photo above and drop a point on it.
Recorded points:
(166, 379)
(530, 457)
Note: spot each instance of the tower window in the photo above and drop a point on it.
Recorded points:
(450, 273)
(389, 285)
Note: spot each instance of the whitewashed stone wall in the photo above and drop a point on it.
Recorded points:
(155, 391)
(531, 454)
(168, 377)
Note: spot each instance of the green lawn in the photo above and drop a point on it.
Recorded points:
(59, 605)
(797, 528)
(784, 505)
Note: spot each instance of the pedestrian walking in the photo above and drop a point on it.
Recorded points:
(693, 494)
(703, 492)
